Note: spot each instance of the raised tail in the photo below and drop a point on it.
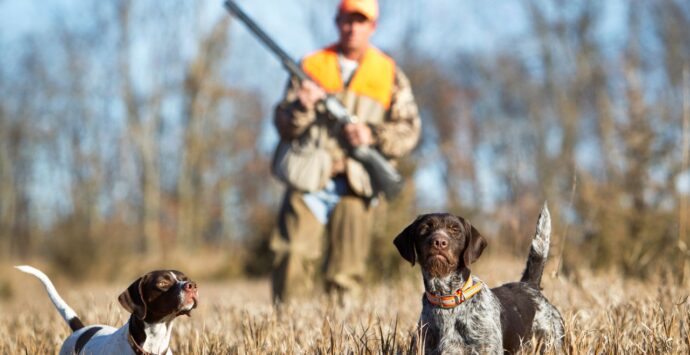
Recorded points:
(539, 250)
(66, 312)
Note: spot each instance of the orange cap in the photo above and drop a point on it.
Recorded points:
(368, 8)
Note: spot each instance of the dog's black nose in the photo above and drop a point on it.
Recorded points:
(439, 242)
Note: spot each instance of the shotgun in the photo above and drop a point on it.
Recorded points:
(384, 177)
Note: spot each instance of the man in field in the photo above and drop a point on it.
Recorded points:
(373, 88)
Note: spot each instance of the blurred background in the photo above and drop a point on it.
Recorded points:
(137, 134)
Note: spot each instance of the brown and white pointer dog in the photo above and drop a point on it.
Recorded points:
(154, 300)
(459, 313)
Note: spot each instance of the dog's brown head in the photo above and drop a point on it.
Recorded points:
(159, 295)
(441, 242)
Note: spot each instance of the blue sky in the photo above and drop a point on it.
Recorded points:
(441, 28)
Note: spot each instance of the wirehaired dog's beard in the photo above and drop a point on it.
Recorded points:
(436, 266)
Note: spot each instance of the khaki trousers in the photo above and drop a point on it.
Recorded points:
(298, 246)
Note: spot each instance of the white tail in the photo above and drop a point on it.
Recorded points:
(539, 249)
(542, 236)
(66, 311)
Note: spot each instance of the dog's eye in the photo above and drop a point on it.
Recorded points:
(163, 284)
(424, 229)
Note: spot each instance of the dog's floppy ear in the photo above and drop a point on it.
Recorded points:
(405, 241)
(475, 243)
(132, 299)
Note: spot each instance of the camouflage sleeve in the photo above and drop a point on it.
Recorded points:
(291, 118)
(400, 132)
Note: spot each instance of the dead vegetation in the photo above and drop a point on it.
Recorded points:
(106, 173)
(604, 314)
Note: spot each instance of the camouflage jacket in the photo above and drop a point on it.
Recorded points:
(395, 133)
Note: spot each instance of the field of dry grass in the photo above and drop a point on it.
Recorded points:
(604, 314)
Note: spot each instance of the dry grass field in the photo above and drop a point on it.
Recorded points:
(604, 315)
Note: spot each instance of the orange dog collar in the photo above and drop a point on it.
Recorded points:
(461, 295)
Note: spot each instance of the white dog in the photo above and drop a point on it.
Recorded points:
(154, 300)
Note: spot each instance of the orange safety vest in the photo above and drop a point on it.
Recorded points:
(374, 77)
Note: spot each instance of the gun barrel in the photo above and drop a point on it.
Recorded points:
(287, 61)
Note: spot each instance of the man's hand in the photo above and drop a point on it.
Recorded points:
(358, 134)
(309, 94)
